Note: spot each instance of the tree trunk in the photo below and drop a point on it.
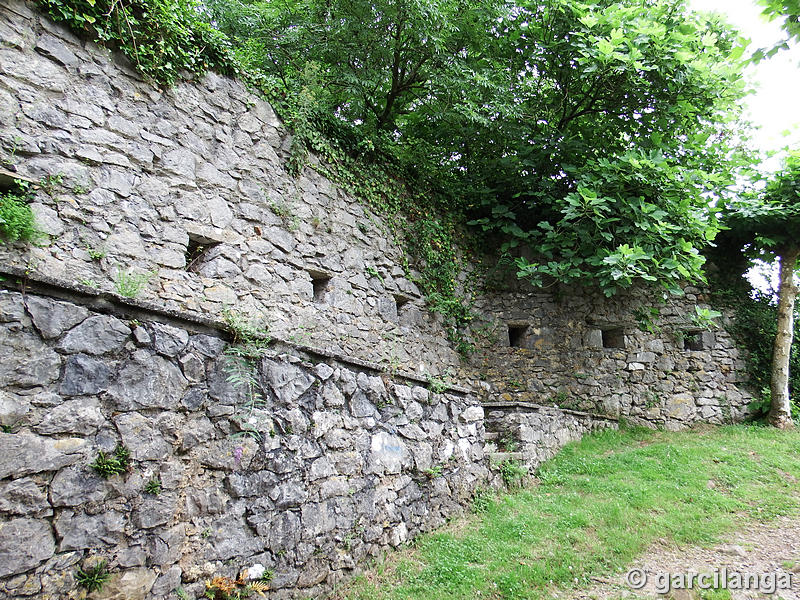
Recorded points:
(780, 412)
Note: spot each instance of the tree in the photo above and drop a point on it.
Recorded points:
(377, 60)
(625, 125)
(771, 221)
(591, 133)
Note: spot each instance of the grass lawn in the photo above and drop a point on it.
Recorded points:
(598, 504)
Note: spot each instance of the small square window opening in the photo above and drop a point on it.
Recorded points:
(517, 336)
(320, 283)
(196, 251)
(614, 338)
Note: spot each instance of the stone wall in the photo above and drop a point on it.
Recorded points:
(188, 184)
(533, 434)
(328, 449)
(576, 350)
(341, 462)
(143, 179)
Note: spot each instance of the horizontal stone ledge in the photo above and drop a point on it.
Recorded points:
(8, 179)
(532, 406)
(17, 279)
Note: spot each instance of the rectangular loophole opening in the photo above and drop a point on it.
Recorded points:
(400, 301)
(319, 282)
(694, 341)
(614, 337)
(518, 335)
(196, 251)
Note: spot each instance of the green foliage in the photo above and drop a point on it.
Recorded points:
(598, 505)
(93, 578)
(647, 318)
(370, 62)
(704, 317)
(508, 444)
(51, 183)
(761, 405)
(767, 218)
(788, 12)
(95, 253)
(161, 37)
(181, 593)
(438, 383)
(117, 462)
(482, 500)
(600, 187)
(241, 374)
(250, 337)
(129, 284)
(432, 242)
(16, 218)
(632, 219)
(513, 473)
(434, 472)
(153, 486)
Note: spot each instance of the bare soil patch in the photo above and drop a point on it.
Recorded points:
(760, 549)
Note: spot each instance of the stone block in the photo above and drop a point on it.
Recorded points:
(22, 497)
(73, 416)
(24, 453)
(25, 361)
(147, 381)
(24, 545)
(77, 530)
(99, 334)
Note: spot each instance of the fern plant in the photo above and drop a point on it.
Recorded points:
(114, 463)
(17, 222)
(93, 578)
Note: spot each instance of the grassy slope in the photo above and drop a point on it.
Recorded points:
(600, 502)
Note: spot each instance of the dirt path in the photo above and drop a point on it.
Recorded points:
(771, 551)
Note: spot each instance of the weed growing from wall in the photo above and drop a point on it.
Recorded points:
(439, 384)
(249, 342)
(153, 486)
(93, 578)
(17, 222)
(117, 462)
(513, 473)
(129, 284)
